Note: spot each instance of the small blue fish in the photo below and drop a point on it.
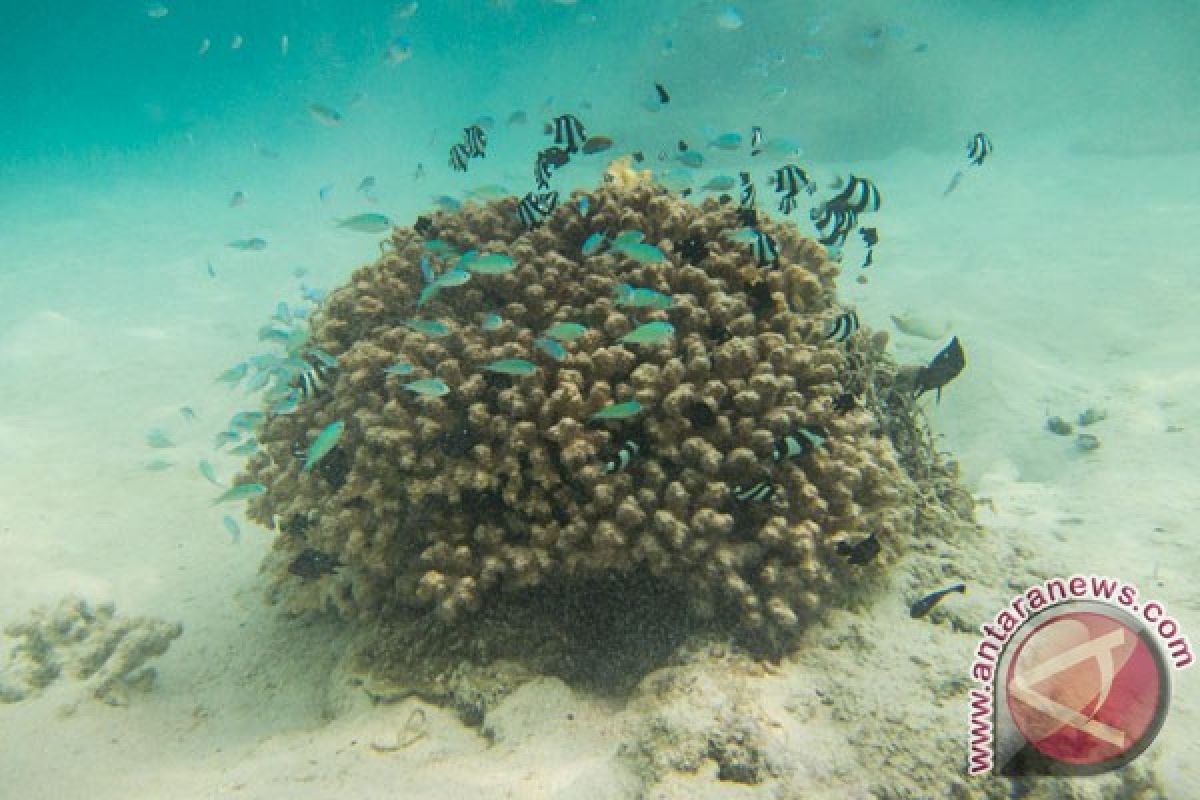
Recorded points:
(447, 203)
(631, 297)
(427, 269)
(246, 421)
(324, 192)
(618, 411)
(312, 295)
(234, 374)
(326, 440)
(464, 261)
(188, 413)
(492, 322)
(158, 465)
(210, 474)
(551, 348)
(727, 141)
(691, 158)
(511, 366)
(288, 404)
(231, 525)
(428, 387)
(369, 222)
(650, 333)
(254, 244)
(157, 437)
(242, 491)
(452, 277)
(626, 238)
(593, 243)
(644, 253)
(437, 246)
(565, 331)
(427, 294)
(399, 368)
(584, 205)
(225, 437)
(429, 327)
(246, 448)
(493, 264)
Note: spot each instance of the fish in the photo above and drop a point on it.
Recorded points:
(979, 148)
(862, 551)
(324, 114)
(407, 10)
(235, 43)
(399, 368)
(649, 333)
(858, 195)
(428, 387)
(742, 235)
(642, 253)
(366, 185)
(369, 222)
(312, 564)
(231, 525)
(833, 224)
(844, 402)
(238, 198)
(459, 156)
(766, 251)
(253, 244)
(548, 160)
(398, 51)
(225, 437)
(945, 367)
(533, 208)
(926, 603)
(156, 10)
(789, 180)
(475, 140)
(324, 192)
(492, 322)
(511, 366)
(757, 492)
(584, 204)
(430, 327)
(801, 443)
(205, 46)
(157, 437)
(550, 347)
(910, 324)
(447, 203)
(326, 440)
(158, 465)
(243, 491)
(492, 264)
(729, 19)
(719, 183)
(518, 118)
(245, 421)
(455, 276)
(283, 45)
(663, 96)
(188, 413)
(210, 474)
(565, 331)
(617, 411)
(212, 272)
(629, 448)
(749, 196)
(691, 158)
(771, 95)
(626, 238)
(843, 326)
(727, 141)
(634, 297)
(596, 144)
(954, 181)
(568, 132)
(870, 236)
(327, 359)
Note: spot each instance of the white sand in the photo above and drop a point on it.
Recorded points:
(1070, 285)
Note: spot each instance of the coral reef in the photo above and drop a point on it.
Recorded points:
(108, 653)
(503, 483)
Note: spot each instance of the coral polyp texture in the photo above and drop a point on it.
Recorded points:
(448, 500)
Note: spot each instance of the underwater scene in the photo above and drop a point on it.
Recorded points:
(600, 399)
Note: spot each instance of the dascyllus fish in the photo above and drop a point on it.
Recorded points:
(800, 444)
(766, 252)
(313, 564)
(979, 148)
(547, 160)
(754, 493)
(861, 552)
(663, 97)
(533, 208)
(926, 603)
(629, 449)
(788, 181)
(843, 326)
(833, 224)
(475, 140)
(756, 140)
(749, 195)
(858, 195)
(568, 131)
(944, 367)
(458, 157)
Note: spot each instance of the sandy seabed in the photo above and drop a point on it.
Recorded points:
(1069, 279)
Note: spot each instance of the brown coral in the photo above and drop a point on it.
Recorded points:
(501, 484)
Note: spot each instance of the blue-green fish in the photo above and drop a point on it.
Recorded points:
(429, 327)
(618, 411)
(511, 366)
(650, 333)
(551, 348)
(188, 413)
(644, 253)
(456, 276)
(246, 448)
(447, 203)
(234, 374)
(438, 246)
(427, 293)
(225, 437)
(242, 491)
(288, 404)
(157, 437)
(492, 264)
(326, 440)
(428, 387)
(399, 368)
(325, 358)
(593, 243)
(727, 141)
(565, 331)
(254, 244)
(246, 421)
(210, 474)
(691, 158)
(626, 238)
(231, 525)
(257, 382)
(492, 322)
(742, 236)
(719, 183)
(626, 295)
(464, 261)
(158, 465)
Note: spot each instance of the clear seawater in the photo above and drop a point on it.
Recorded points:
(1067, 261)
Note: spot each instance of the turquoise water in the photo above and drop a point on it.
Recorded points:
(1064, 262)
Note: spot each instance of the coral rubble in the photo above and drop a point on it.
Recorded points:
(505, 483)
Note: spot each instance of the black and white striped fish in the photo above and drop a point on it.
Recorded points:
(458, 157)
(756, 492)
(756, 140)
(858, 195)
(568, 132)
(788, 181)
(548, 160)
(629, 449)
(766, 252)
(533, 208)
(749, 193)
(833, 225)
(979, 148)
(475, 141)
(843, 326)
(801, 443)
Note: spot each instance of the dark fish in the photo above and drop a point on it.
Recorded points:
(869, 259)
(833, 224)
(683, 146)
(459, 155)
(475, 140)
(944, 368)
(844, 403)
(801, 443)
(313, 564)
(568, 131)
(756, 140)
(423, 226)
(858, 195)
(638, 157)
(518, 118)
(749, 194)
(533, 208)
(548, 160)
(700, 414)
(766, 252)
(754, 493)
(693, 249)
(843, 326)
(663, 97)
(979, 148)
(862, 551)
(629, 449)
(760, 298)
(596, 144)
(870, 236)
(789, 180)
(926, 603)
